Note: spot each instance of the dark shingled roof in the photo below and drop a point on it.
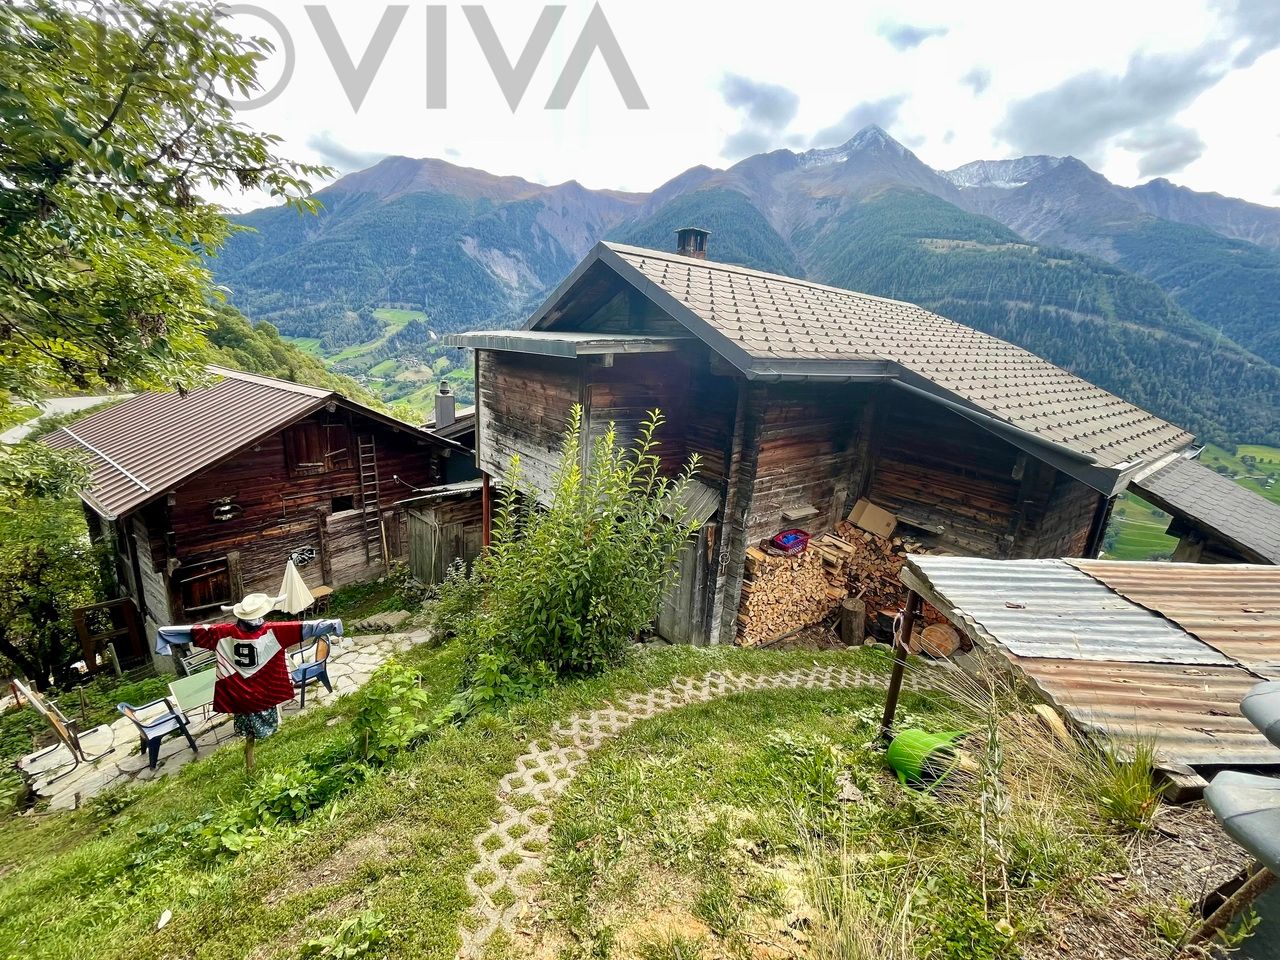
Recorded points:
(770, 325)
(1235, 514)
(140, 448)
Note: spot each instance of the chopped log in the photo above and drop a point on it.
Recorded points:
(853, 621)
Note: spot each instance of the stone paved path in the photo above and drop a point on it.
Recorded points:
(511, 851)
(351, 663)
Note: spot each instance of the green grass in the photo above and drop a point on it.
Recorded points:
(1252, 476)
(81, 884)
(395, 320)
(711, 830)
(309, 345)
(1137, 531)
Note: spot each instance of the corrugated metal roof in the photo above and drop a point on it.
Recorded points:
(142, 447)
(769, 324)
(1191, 713)
(1114, 663)
(1048, 608)
(1234, 608)
(1237, 515)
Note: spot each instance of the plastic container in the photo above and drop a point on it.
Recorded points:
(791, 542)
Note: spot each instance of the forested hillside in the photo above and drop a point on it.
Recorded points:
(259, 348)
(1172, 314)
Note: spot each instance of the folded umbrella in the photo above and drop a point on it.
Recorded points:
(296, 596)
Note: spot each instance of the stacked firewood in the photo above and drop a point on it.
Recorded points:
(782, 594)
(874, 568)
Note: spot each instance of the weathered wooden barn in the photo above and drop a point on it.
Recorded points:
(206, 496)
(802, 399)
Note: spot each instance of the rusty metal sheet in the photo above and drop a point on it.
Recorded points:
(1049, 609)
(1192, 713)
(1235, 608)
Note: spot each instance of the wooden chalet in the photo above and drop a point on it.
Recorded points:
(204, 497)
(802, 400)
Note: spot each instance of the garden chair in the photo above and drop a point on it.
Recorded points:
(194, 694)
(311, 663)
(154, 729)
(196, 660)
(68, 731)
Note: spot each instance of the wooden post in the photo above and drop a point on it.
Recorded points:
(853, 621)
(486, 510)
(900, 643)
(248, 753)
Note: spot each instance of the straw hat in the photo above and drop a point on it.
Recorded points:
(254, 607)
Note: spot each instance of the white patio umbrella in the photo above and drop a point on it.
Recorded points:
(294, 590)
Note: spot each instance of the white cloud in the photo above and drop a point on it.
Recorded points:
(832, 59)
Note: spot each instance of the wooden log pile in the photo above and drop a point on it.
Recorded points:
(782, 594)
(875, 565)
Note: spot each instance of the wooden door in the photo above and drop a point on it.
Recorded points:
(682, 615)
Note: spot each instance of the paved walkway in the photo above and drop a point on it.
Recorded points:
(511, 852)
(352, 662)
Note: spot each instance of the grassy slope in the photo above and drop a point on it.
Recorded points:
(67, 887)
(409, 388)
(702, 834)
(1267, 461)
(1139, 531)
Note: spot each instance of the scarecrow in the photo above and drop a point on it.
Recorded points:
(252, 677)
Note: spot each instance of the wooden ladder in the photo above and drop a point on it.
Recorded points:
(370, 501)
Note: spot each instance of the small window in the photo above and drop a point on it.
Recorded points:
(339, 504)
(205, 587)
(313, 448)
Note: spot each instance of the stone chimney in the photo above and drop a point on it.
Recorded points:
(692, 242)
(445, 409)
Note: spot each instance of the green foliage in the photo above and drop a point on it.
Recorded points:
(259, 348)
(1230, 285)
(1125, 789)
(393, 715)
(455, 603)
(308, 277)
(1114, 329)
(671, 946)
(568, 585)
(358, 936)
(960, 927)
(111, 125)
(48, 567)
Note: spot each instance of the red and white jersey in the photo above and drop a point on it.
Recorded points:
(252, 673)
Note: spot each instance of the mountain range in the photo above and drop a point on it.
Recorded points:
(1162, 294)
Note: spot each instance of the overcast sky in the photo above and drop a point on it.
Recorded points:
(1180, 88)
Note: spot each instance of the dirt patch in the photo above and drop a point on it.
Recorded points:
(379, 845)
(1188, 854)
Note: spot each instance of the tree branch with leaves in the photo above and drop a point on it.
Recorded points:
(115, 127)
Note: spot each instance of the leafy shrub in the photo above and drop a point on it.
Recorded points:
(392, 715)
(563, 589)
(452, 609)
(356, 936)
